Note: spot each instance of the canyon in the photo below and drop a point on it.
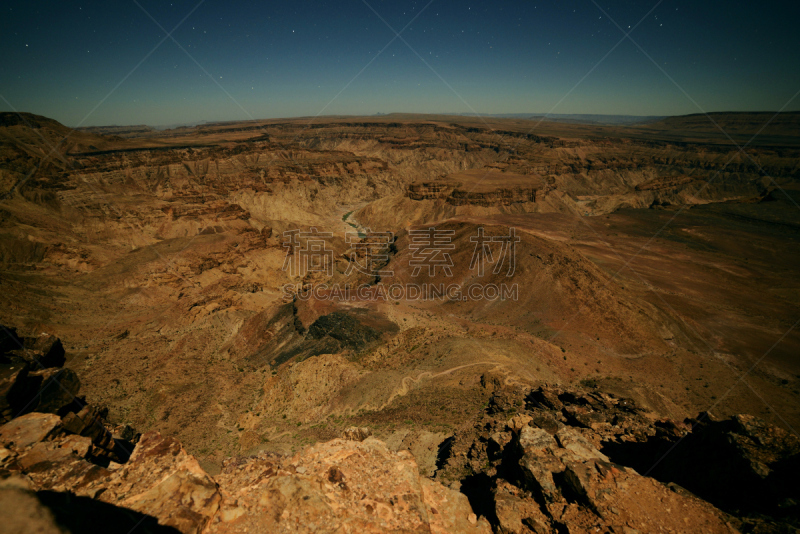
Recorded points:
(656, 300)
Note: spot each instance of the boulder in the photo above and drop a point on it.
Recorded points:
(24, 390)
(57, 389)
(340, 486)
(516, 514)
(15, 390)
(89, 422)
(24, 432)
(164, 481)
(55, 451)
(42, 352)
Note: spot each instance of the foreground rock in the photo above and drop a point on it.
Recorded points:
(556, 465)
(63, 467)
(31, 377)
(564, 463)
(339, 486)
(342, 484)
(543, 460)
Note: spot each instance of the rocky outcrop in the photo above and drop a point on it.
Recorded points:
(741, 464)
(499, 197)
(339, 486)
(43, 351)
(164, 481)
(355, 483)
(428, 190)
(351, 484)
(545, 460)
(160, 480)
(30, 377)
(33, 392)
(565, 462)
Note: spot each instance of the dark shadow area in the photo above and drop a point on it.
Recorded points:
(82, 514)
(733, 468)
(352, 329)
(444, 452)
(478, 489)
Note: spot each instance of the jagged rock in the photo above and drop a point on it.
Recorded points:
(49, 458)
(30, 378)
(504, 399)
(340, 486)
(574, 442)
(538, 463)
(357, 434)
(15, 390)
(498, 442)
(531, 479)
(515, 513)
(62, 469)
(546, 423)
(524, 478)
(162, 480)
(741, 464)
(41, 352)
(544, 398)
(125, 433)
(46, 391)
(24, 511)
(25, 431)
(52, 452)
(90, 422)
(581, 489)
(58, 389)
(450, 510)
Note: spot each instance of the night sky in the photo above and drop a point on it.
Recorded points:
(83, 63)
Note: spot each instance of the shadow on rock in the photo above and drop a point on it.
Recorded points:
(82, 514)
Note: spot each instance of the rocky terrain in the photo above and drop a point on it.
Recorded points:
(547, 459)
(155, 276)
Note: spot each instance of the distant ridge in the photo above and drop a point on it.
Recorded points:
(736, 122)
(582, 118)
(13, 118)
(121, 131)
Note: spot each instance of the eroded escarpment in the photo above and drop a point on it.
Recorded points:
(591, 179)
(161, 262)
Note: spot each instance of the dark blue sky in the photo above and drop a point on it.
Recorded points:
(282, 59)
